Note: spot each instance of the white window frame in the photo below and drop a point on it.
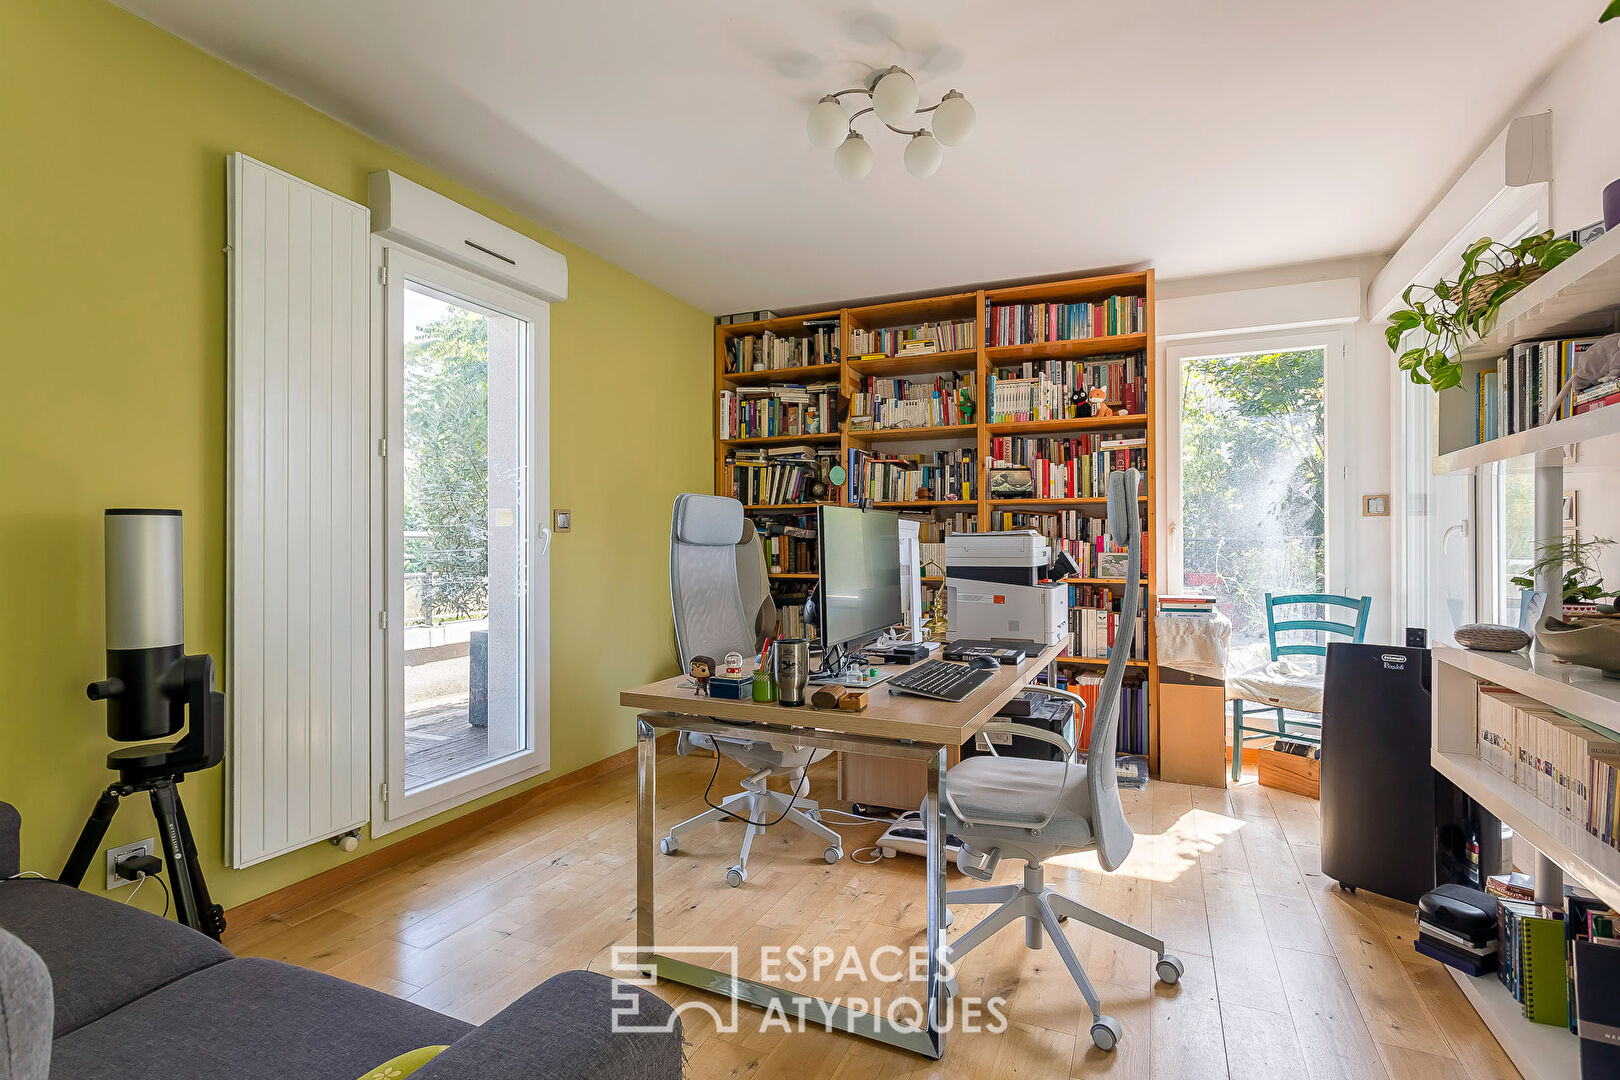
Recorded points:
(393, 265)
(1334, 339)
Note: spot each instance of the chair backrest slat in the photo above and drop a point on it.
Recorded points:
(1274, 625)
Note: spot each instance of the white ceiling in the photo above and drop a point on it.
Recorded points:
(1198, 136)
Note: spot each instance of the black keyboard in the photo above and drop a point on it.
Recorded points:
(940, 680)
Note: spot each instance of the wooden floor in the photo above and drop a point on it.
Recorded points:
(1287, 976)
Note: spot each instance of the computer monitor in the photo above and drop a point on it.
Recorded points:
(860, 575)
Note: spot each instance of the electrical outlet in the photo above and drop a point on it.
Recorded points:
(116, 855)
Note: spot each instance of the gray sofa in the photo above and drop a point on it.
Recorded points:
(92, 989)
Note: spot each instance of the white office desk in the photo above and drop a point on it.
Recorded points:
(896, 726)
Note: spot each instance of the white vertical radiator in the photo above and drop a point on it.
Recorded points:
(298, 609)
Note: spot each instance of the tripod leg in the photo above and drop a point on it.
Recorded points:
(165, 809)
(95, 831)
(212, 915)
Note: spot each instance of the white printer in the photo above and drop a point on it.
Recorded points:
(994, 586)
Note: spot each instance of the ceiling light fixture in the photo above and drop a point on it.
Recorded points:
(893, 95)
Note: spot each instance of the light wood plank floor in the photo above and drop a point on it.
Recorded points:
(1287, 976)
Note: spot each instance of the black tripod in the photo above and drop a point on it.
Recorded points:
(157, 769)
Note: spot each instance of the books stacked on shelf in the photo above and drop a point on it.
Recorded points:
(780, 474)
(745, 317)
(773, 352)
(789, 542)
(1189, 606)
(1032, 324)
(912, 403)
(1095, 630)
(1594, 982)
(912, 340)
(941, 475)
(934, 528)
(1458, 930)
(1560, 763)
(1516, 395)
(1532, 959)
(1083, 536)
(1057, 389)
(1076, 467)
(750, 412)
(1133, 712)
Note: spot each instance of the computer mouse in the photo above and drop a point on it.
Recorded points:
(989, 662)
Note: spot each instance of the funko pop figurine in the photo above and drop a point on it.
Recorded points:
(700, 669)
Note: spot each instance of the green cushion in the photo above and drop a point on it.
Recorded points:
(405, 1064)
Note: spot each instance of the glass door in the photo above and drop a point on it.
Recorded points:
(465, 538)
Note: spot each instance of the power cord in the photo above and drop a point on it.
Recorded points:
(798, 792)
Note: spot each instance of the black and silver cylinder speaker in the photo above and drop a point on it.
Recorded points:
(145, 624)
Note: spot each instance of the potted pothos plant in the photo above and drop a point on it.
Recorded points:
(1448, 315)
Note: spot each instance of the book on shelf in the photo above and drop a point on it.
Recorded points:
(1034, 324)
(781, 474)
(1057, 389)
(777, 352)
(1132, 737)
(749, 412)
(917, 340)
(1096, 629)
(1190, 606)
(911, 403)
(1071, 467)
(1553, 759)
(745, 317)
(1515, 394)
(1085, 538)
(940, 475)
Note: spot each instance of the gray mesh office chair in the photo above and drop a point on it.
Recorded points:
(721, 599)
(1034, 810)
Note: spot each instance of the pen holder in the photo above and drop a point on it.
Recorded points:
(792, 670)
(764, 687)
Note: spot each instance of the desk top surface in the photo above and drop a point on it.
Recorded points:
(887, 716)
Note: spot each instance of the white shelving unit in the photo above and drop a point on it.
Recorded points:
(1539, 1051)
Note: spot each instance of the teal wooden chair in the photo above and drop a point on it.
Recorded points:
(1278, 686)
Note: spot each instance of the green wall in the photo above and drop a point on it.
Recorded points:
(112, 378)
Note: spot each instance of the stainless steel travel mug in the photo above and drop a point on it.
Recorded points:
(792, 670)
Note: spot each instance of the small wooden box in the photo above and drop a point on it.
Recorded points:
(1290, 772)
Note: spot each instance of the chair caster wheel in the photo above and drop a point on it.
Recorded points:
(668, 845)
(814, 815)
(1105, 1032)
(736, 876)
(949, 918)
(833, 854)
(1063, 918)
(1170, 970)
(951, 989)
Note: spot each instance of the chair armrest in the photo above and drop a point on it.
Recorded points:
(1040, 734)
(10, 841)
(563, 1029)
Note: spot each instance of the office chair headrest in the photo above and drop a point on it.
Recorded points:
(1123, 511)
(709, 520)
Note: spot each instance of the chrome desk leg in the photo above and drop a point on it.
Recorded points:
(934, 819)
(646, 800)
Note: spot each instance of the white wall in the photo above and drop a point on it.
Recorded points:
(1313, 294)
(1583, 91)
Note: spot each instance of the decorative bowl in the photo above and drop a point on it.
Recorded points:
(1595, 644)
(1491, 637)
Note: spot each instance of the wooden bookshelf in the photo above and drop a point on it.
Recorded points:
(980, 361)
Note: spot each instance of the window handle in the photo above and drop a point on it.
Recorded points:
(1445, 540)
(545, 539)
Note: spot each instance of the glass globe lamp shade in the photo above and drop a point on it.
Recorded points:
(923, 155)
(894, 97)
(953, 120)
(827, 123)
(853, 158)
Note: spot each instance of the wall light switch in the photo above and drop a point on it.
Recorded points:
(562, 520)
(1375, 506)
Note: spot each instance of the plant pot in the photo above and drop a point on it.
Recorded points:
(1480, 290)
(1611, 206)
(1595, 645)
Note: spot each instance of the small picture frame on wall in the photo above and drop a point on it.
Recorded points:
(1571, 518)
(1375, 506)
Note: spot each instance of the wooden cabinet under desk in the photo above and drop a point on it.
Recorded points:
(888, 782)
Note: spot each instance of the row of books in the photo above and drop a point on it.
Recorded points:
(1133, 712)
(907, 340)
(934, 528)
(1083, 536)
(774, 352)
(1563, 764)
(911, 403)
(790, 554)
(1095, 630)
(1031, 324)
(757, 411)
(943, 474)
(1192, 606)
(1515, 395)
(1076, 467)
(1057, 389)
(781, 474)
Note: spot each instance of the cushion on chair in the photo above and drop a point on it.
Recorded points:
(101, 954)
(252, 1018)
(25, 1012)
(1020, 790)
(710, 520)
(1283, 683)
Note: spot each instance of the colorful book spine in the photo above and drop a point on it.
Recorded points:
(1034, 324)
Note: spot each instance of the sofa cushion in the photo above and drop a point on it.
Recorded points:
(101, 954)
(251, 1018)
(25, 1012)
